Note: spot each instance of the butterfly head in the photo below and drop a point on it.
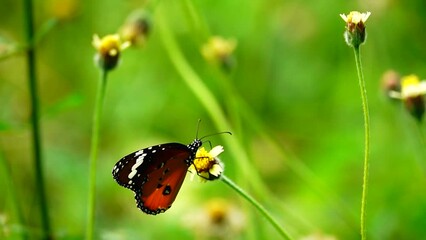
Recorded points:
(193, 147)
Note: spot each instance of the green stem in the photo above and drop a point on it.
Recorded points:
(199, 27)
(239, 110)
(14, 198)
(94, 154)
(422, 154)
(257, 205)
(366, 141)
(32, 81)
(207, 99)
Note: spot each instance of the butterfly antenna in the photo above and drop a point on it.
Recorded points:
(213, 134)
(198, 128)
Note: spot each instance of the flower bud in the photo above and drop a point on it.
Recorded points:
(136, 28)
(355, 28)
(109, 49)
(412, 91)
(391, 84)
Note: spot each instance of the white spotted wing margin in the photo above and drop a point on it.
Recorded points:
(155, 174)
(132, 171)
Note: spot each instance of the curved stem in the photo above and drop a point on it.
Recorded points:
(94, 154)
(366, 140)
(257, 205)
(207, 99)
(32, 81)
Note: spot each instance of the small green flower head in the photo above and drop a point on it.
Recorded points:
(355, 28)
(108, 50)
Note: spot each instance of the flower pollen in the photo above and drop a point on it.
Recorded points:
(206, 164)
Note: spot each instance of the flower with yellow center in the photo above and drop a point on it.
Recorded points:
(206, 164)
(355, 27)
(412, 91)
(411, 86)
(108, 50)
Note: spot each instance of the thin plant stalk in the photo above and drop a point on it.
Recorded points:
(32, 81)
(210, 103)
(257, 205)
(366, 141)
(239, 110)
(422, 153)
(13, 196)
(94, 154)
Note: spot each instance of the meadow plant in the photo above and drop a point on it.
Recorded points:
(35, 123)
(355, 35)
(108, 53)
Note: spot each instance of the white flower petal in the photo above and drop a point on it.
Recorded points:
(216, 170)
(422, 87)
(216, 151)
(365, 16)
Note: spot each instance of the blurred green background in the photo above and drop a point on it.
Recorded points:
(301, 123)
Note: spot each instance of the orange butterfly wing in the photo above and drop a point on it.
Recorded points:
(155, 174)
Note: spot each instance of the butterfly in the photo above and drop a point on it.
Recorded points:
(156, 173)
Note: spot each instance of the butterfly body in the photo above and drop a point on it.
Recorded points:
(156, 174)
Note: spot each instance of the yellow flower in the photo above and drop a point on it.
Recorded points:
(109, 49)
(412, 91)
(220, 50)
(206, 164)
(218, 219)
(355, 27)
(411, 86)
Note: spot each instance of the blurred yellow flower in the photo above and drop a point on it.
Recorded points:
(412, 94)
(218, 219)
(108, 50)
(206, 164)
(220, 50)
(411, 86)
